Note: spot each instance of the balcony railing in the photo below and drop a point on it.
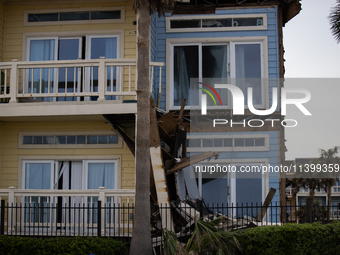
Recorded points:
(68, 212)
(72, 80)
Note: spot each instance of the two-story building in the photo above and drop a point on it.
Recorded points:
(64, 66)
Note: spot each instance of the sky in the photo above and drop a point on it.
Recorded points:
(312, 62)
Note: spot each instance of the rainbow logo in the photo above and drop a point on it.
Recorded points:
(209, 93)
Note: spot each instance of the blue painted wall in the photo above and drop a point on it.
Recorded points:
(271, 33)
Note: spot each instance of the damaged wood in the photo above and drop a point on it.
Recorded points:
(169, 123)
(158, 169)
(191, 160)
(266, 204)
(130, 144)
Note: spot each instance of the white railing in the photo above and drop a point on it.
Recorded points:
(93, 79)
(73, 211)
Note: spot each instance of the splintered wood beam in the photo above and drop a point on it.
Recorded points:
(169, 123)
(158, 170)
(166, 155)
(191, 160)
(130, 144)
(266, 204)
(180, 115)
(165, 136)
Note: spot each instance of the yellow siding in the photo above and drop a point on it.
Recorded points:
(2, 24)
(10, 153)
(15, 26)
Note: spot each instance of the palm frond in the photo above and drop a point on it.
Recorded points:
(334, 18)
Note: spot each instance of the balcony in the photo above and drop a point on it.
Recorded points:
(71, 87)
(102, 212)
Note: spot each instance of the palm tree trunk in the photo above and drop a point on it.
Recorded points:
(141, 236)
(311, 204)
(329, 198)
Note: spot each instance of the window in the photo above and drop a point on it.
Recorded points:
(69, 174)
(222, 142)
(80, 16)
(70, 79)
(218, 61)
(195, 23)
(89, 139)
(232, 188)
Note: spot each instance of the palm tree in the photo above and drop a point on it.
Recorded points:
(141, 236)
(334, 18)
(205, 239)
(329, 157)
(307, 179)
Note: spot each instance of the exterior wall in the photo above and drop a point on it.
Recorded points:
(15, 26)
(2, 28)
(269, 157)
(11, 154)
(271, 33)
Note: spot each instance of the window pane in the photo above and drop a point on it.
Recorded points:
(259, 142)
(185, 67)
(249, 142)
(81, 139)
(113, 139)
(214, 67)
(218, 142)
(37, 139)
(105, 15)
(37, 175)
(64, 16)
(239, 142)
(92, 139)
(71, 139)
(207, 143)
(60, 139)
(48, 139)
(102, 139)
(41, 17)
(41, 50)
(228, 142)
(101, 175)
(28, 140)
(185, 23)
(242, 22)
(194, 142)
(248, 70)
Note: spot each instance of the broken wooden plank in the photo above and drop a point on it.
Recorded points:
(191, 160)
(169, 123)
(130, 144)
(158, 170)
(180, 115)
(266, 204)
(165, 136)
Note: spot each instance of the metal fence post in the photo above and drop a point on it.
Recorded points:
(99, 219)
(2, 217)
(308, 211)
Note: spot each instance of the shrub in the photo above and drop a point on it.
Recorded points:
(293, 239)
(13, 245)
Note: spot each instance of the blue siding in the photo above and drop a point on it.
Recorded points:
(272, 155)
(271, 33)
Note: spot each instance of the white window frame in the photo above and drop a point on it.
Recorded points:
(231, 176)
(23, 163)
(119, 144)
(53, 159)
(75, 22)
(213, 17)
(231, 42)
(233, 148)
(119, 78)
(85, 171)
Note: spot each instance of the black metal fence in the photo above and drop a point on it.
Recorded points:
(116, 220)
